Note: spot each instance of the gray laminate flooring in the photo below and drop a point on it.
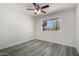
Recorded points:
(39, 48)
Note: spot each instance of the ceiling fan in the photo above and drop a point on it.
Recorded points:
(38, 9)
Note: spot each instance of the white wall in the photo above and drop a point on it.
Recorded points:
(77, 27)
(67, 34)
(15, 26)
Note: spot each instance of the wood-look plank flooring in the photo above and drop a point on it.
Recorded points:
(39, 48)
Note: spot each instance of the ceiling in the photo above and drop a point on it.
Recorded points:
(54, 7)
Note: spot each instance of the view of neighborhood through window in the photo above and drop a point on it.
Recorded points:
(51, 24)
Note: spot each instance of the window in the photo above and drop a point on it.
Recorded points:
(51, 24)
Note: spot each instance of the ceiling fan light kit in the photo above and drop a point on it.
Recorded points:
(37, 11)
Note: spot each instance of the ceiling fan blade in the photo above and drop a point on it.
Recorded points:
(43, 11)
(38, 6)
(46, 6)
(29, 9)
(34, 4)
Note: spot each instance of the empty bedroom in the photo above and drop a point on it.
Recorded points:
(39, 29)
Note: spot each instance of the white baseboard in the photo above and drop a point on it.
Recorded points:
(59, 43)
(19, 42)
